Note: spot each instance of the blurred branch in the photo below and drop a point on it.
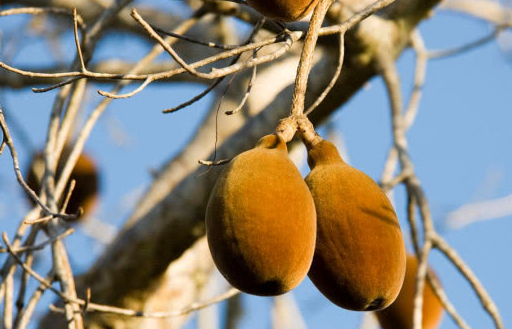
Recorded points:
(93, 307)
(487, 10)
(286, 313)
(479, 211)
(436, 54)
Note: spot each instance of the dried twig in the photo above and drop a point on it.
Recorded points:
(255, 30)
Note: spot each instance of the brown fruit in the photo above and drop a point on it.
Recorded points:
(399, 314)
(85, 174)
(261, 221)
(284, 10)
(359, 261)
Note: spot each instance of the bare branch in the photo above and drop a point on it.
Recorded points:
(27, 313)
(41, 245)
(488, 10)
(14, 154)
(92, 307)
(469, 46)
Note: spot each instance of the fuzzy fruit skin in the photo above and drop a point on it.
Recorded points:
(359, 261)
(284, 10)
(261, 221)
(85, 173)
(399, 315)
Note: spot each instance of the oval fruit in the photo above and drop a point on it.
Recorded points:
(359, 261)
(85, 174)
(284, 10)
(399, 315)
(261, 221)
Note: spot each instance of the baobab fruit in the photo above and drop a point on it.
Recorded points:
(359, 261)
(85, 174)
(283, 10)
(261, 221)
(399, 315)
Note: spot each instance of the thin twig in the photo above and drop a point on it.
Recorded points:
(416, 195)
(392, 82)
(398, 179)
(98, 111)
(77, 41)
(247, 92)
(57, 85)
(68, 195)
(192, 40)
(8, 302)
(14, 155)
(337, 73)
(479, 289)
(130, 94)
(41, 245)
(448, 306)
(411, 110)
(296, 35)
(419, 285)
(29, 257)
(26, 314)
(467, 47)
(166, 46)
(196, 98)
(356, 18)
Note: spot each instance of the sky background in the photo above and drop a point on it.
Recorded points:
(460, 145)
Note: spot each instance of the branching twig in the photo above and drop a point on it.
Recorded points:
(14, 155)
(416, 196)
(217, 73)
(255, 30)
(93, 307)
